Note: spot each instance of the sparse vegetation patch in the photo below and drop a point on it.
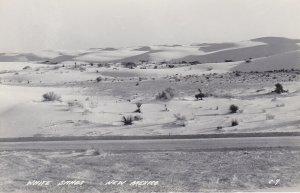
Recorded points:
(165, 95)
(234, 122)
(233, 108)
(138, 105)
(127, 120)
(51, 96)
(180, 120)
(200, 95)
(279, 89)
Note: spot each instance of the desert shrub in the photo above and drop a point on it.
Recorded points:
(279, 89)
(195, 62)
(82, 69)
(92, 152)
(137, 118)
(233, 108)
(269, 116)
(237, 73)
(51, 96)
(86, 112)
(240, 111)
(127, 120)
(180, 120)
(221, 95)
(56, 67)
(165, 95)
(219, 127)
(165, 109)
(75, 103)
(26, 68)
(280, 105)
(99, 79)
(274, 99)
(248, 60)
(130, 65)
(138, 105)
(200, 95)
(234, 122)
(209, 68)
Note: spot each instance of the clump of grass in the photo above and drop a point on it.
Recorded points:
(51, 96)
(233, 108)
(127, 120)
(165, 95)
(180, 120)
(270, 116)
(234, 122)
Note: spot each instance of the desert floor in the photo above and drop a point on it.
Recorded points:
(91, 107)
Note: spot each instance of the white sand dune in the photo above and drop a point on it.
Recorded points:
(288, 60)
(262, 47)
(205, 53)
(47, 54)
(108, 55)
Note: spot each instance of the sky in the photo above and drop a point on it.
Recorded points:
(31, 25)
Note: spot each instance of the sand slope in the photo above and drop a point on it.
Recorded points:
(288, 60)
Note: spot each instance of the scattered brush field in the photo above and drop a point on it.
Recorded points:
(88, 99)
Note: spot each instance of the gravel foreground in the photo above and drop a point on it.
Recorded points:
(247, 170)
